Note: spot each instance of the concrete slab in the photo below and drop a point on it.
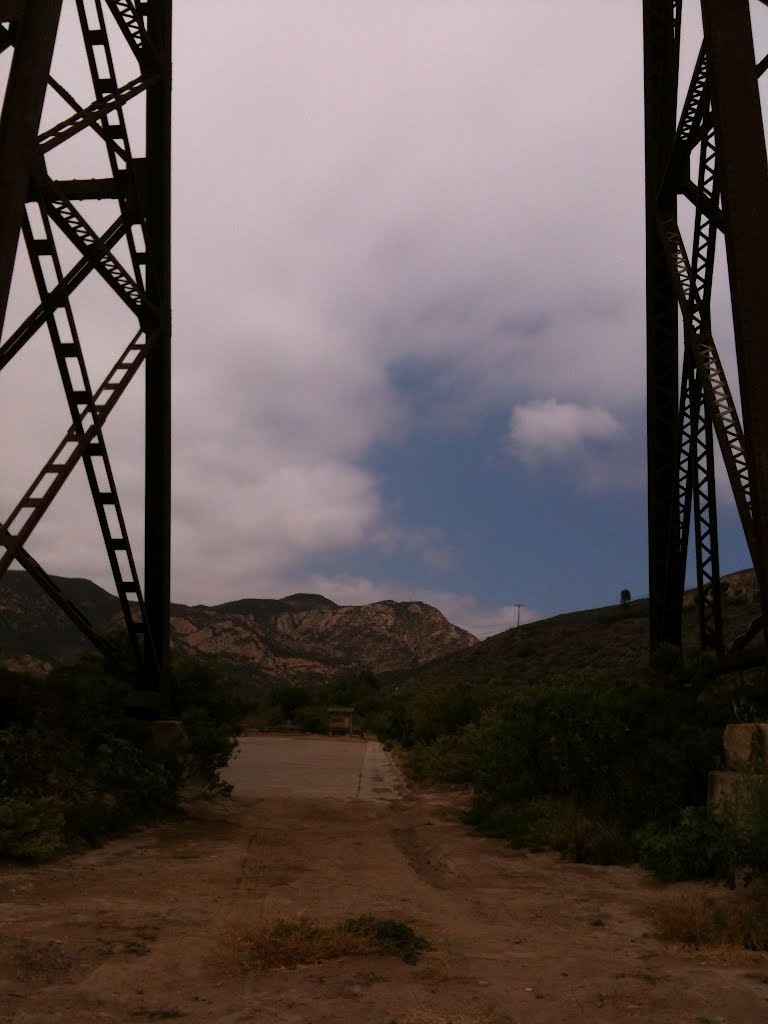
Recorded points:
(313, 766)
(380, 778)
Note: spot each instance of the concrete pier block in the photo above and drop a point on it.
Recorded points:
(746, 746)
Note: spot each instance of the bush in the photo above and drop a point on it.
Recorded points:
(75, 768)
(596, 766)
(311, 718)
(729, 844)
(212, 710)
(578, 832)
(711, 918)
(389, 936)
(694, 847)
(574, 829)
(625, 747)
(293, 942)
(449, 758)
(31, 829)
(307, 709)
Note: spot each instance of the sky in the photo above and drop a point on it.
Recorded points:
(408, 310)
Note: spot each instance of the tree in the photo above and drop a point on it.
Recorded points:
(626, 597)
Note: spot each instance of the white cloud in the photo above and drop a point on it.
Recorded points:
(358, 188)
(549, 430)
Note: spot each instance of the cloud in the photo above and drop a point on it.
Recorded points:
(550, 430)
(428, 544)
(379, 227)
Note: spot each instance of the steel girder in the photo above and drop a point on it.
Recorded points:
(51, 219)
(713, 155)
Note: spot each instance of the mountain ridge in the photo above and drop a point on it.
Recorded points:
(299, 639)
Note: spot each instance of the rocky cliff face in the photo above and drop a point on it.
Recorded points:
(301, 639)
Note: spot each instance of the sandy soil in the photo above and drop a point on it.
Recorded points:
(138, 930)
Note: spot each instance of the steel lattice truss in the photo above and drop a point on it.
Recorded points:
(711, 155)
(53, 221)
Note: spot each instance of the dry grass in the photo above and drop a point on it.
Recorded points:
(33, 961)
(706, 917)
(296, 942)
(282, 942)
(437, 1017)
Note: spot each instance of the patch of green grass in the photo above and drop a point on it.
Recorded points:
(389, 936)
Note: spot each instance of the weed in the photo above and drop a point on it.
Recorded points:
(293, 942)
(144, 1013)
(431, 974)
(368, 978)
(438, 1017)
(728, 844)
(136, 948)
(110, 947)
(719, 918)
(31, 828)
(389, 936)
(41, 962)
(74, 767)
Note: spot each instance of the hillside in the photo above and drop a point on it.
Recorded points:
(598, 638)
(303, 638)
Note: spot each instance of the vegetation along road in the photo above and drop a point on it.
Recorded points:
(209, 917)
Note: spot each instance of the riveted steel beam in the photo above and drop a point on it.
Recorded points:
(132, 256)
(661, 33)
(721, 126)
(19, 120)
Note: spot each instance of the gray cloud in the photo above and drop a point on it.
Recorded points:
(453, 185)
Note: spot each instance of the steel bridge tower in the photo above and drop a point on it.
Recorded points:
(709, 154)
(111, 124)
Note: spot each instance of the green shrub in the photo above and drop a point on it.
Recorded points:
(583, 762)
(311, 718)
(728, 844)
(634, 751)
(693, 847)
(578, 832)
(31, 829)
(510, 821)
(448, 759)
(291, 942)
(389, 936)
(573, 828)
(74, 767)
(212, 710)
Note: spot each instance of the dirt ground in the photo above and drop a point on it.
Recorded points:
(138, 930)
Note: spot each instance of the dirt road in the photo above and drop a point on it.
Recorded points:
(138, 930)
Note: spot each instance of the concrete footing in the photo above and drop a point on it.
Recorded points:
(746, 767)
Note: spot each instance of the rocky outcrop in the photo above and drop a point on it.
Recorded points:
(300, 639)
(308, 638)
(738, 586)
